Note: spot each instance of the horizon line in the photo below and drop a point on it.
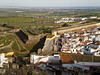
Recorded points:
(50, 6)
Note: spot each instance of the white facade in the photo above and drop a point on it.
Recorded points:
(71, 66)
(35, 59)
(89, 43)
(3, 59)
(65, 20)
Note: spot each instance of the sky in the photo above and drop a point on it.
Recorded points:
(49, 3)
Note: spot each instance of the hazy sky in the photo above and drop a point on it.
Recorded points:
(49, 3)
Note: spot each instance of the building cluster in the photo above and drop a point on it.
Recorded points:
(3, 59)
(66, 20)
(7, 60)
(56, 62)
(85, 41)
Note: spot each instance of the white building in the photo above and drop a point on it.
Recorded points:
(3, 59)
(65, 20)
(35, 59)
(93, 17)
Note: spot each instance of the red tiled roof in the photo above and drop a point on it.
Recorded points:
(68, 45)
(81, 36)
(64, 38)
(78, 50)
(78, 45)
(63, 43)
(83, 42)
(89, 29)
(94, 27)
(65, 48)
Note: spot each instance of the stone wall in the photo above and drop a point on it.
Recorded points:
(63, 30)
(22, 36)
(35, 38)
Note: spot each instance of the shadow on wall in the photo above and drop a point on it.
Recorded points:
(22, 36)
(40, 44)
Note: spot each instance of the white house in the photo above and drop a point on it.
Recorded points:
(3, 59)
(84, 18)
(93, 17)
(65, 20)
(35, 59)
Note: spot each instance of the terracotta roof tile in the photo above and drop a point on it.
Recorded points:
(63, 43)
(66, 59)
(64, 38)
(83, 43)
(80, 36)
(68, 45)
(65, 48)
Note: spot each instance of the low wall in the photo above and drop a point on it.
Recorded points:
(74, 28)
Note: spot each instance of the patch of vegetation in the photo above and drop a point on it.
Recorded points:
(15, 46)
(16, 20)
(38, 30)
(4, 41)
(22, 55)
(20, 45)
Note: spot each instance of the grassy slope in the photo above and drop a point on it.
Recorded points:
(4, 41)
(15, 46)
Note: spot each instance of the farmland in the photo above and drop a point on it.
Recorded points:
(45, 17)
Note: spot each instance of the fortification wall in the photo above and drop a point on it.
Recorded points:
(22, 36)
(35, 38)
(60, 31)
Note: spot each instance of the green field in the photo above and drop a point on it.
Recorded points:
(15, 46)
(4, 41)
(25, 21)
(31, 17)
